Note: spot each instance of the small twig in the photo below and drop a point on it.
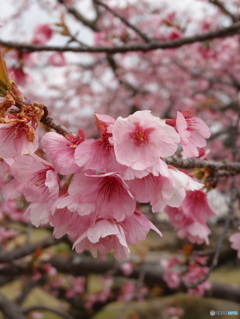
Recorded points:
(223, 8)
(80, 17)
(142, 35)
(48, 121)
(138, 285)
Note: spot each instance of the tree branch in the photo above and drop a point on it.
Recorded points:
(142, 35)
(80, 17)
(152, 275)
(82, 266)
(144, 47)
(199, 163)
(26, 250)
(223, 8)
(49, 122)
(10, 309)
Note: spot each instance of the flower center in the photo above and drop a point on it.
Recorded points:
(140, 136)
(109, 186)
(104, 142)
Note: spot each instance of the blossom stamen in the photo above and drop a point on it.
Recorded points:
(140, 136)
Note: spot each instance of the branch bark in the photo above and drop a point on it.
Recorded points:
(10, 309)
(144, 47)
(92, 24)
(198, 163)
(26, 250)
(152, 276)
(125, 21)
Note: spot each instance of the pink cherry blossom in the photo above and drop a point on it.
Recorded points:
(57, 59)
(78, 287)
(235, 242)
(108, 193)
(73, 224)
(17, 137)
(128, 291)
(194, 273)
(172, 279)
(42, 34)
(196, 206)
(37, 176)
(190, 218)
(4, 172)
(195, 232)
(19, 75)
(60, 221)
(104, 123)
(10, 209)
(170, 276)
(171, 190)
(61, 149)
(12, 190)
(136, 227)
(175, 312)
(161, 190)
(101, 296)
(193, 133)
(99, 154)
(127, 268)
(40, 186)
(102, 237)
(141, 139)
(6, 234)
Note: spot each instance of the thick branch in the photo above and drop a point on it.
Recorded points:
(10, 309)
(144, 47)
(152, 276)
(198, 163)
(49, 122)
(26, 250)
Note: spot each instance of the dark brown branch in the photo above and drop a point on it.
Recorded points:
(81, 266)
(80, 17)
(10, 309)
(125, 21)
(223, 8)
(152, 276)
(144, 47)
(49, 122)
(198, 163)
(26, 290)
(115, 68)
(26, 250)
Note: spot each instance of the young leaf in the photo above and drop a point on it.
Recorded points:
(4, 79)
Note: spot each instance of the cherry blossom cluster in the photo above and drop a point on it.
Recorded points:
(89, 188)
(177, 270)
